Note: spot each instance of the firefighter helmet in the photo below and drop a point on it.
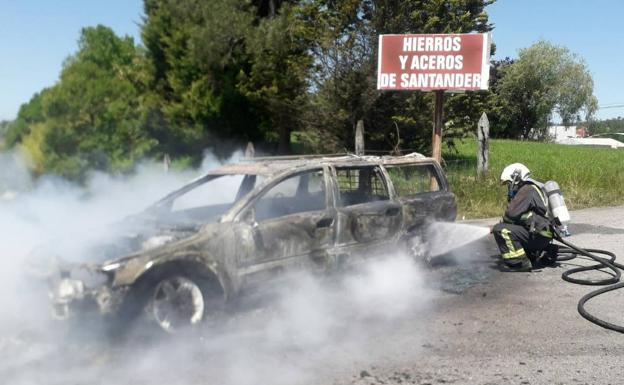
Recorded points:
(515, 173)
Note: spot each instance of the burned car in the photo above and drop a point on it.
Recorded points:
(206, 245)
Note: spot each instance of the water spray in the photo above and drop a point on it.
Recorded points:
(443, 237)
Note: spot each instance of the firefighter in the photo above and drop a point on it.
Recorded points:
(525, 230)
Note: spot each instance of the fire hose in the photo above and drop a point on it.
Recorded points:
(606, 261)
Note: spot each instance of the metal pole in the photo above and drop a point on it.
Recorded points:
(436, 142)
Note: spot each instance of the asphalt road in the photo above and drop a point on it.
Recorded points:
(517, 328)
(465, 322)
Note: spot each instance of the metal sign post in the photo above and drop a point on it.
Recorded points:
(438, 114)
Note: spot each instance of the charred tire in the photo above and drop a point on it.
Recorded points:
(173, 300)
(177, 303)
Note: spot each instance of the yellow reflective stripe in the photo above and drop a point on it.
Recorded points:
(546, 233)
(512, 253)
(541, 194)
(526, 216)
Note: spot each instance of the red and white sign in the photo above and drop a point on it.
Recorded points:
(434, 62)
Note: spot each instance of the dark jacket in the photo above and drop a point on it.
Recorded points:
(529, 209)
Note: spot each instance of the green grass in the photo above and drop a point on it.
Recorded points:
(588, 176)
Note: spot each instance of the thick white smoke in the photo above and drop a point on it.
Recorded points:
(300, 328)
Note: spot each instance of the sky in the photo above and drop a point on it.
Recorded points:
(36, 36)
(590, 29)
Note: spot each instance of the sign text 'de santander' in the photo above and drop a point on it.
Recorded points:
(434, 62)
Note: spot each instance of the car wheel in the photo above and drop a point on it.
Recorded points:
(177, 303)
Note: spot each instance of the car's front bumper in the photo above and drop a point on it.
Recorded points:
(71, 297)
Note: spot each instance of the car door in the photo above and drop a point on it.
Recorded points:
(291, 226)
(423, 193)
(368, 218)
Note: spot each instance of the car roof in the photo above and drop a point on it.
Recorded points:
(273, 165)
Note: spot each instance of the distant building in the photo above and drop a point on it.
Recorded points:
(577, 135)
(596, 142)
(561, 133)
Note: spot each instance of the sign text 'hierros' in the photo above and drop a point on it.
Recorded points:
(434, 62)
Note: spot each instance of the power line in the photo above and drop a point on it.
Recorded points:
(611, 106)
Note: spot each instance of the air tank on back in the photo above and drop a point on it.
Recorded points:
(556, 204)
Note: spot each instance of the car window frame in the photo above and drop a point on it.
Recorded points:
(247, 212)
(193, 186)
(443, 185)
(384, 178)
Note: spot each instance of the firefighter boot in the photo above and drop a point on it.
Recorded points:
(518, 264)
(549, 255)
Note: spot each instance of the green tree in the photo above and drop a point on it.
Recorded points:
(606, 126)
(546, 80)
(342, 81)
(4, 126)
(277, 80)
(197, 52)
(92, 118)
(227, 71)
(28, 114)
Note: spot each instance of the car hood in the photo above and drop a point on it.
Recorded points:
(141, 234)
(130, 236)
